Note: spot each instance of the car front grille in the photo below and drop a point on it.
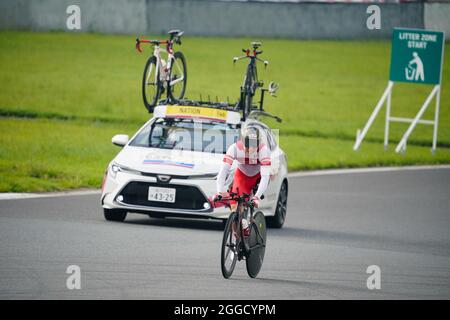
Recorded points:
(186, 197)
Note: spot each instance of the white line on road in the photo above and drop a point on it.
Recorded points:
(363, 170)
(14, 196)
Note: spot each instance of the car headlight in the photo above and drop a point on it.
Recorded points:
(113, 169)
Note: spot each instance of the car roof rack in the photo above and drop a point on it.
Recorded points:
(254, 112)
(202, 103)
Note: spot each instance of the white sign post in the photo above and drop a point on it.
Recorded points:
(416, 57)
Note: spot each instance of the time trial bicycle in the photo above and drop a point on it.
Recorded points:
(237, 246)
(251, 82)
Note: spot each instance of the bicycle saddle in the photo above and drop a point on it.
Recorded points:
(256, 45)
(176, 33)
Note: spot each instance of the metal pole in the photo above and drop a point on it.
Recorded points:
(388, 115)
(402, 143)
(436, 120)
(360, 135)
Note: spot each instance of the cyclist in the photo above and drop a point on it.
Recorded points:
(253, 159)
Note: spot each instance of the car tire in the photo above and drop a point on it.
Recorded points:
(278, 219)
(115, 214)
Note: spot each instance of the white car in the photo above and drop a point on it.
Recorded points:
(169, 167)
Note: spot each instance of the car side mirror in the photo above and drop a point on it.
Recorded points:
(120, 140)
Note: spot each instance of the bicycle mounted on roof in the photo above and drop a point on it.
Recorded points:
(251, 84)
(248, 90)
(161, 75)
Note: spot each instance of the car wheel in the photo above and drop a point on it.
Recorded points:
(278, 219)
(115, 214)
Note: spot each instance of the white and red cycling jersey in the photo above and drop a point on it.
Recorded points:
(252, 168)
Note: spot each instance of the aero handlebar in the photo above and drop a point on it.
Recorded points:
(255, 52)
(254, 56)
(244, 198)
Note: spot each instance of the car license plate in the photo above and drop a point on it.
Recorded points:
(161, 194)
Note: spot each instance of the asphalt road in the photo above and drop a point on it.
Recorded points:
(337, 226)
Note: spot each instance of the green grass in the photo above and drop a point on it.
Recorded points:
(74, 91)
(50, 155)
(306, 153)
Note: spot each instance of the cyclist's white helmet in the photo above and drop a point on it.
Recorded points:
(252, 134)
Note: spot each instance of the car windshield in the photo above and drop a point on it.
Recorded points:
(185, 134)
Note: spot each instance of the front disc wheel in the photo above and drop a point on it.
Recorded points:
(229, 251)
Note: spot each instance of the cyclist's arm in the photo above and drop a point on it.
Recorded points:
(264, 159)
(225, 169)
(263, 184)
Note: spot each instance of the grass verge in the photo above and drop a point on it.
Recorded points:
(64, 95)
(51, 155)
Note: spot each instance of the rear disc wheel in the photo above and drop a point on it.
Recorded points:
(256, 240)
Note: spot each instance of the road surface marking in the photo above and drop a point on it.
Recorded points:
(15, 196)
(363, 170)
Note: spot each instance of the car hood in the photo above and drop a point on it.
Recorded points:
(172, 162)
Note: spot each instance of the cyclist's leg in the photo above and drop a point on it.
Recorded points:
(256, 185)
(242, 184)
(238, 187)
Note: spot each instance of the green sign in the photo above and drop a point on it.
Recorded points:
(417, 56)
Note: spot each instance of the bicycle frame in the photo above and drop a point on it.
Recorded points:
(250, 86)
(164, 70)
(247, 248)
(244, 204)
(254, 71)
